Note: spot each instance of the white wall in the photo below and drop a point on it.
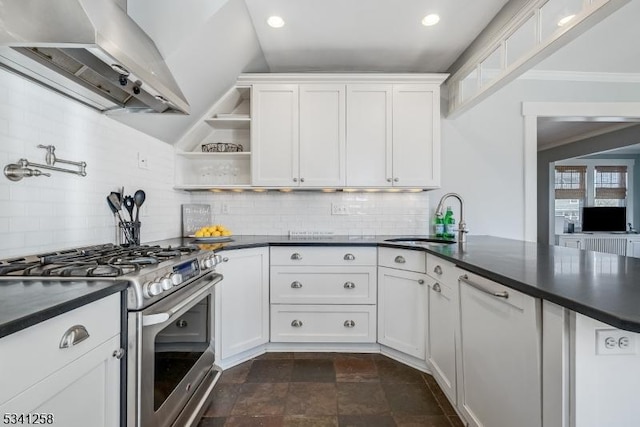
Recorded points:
(40, 213)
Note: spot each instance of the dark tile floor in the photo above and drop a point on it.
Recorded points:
(327, 389)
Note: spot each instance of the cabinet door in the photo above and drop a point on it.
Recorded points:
(402, 311)
(500, 346)
(84, 392)
(416, 130)
(322, 135)
(633, 248)
(369, 135)
(443, 315)
(274, 135)
(242, 301)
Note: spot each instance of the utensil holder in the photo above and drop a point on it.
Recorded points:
(130, 233)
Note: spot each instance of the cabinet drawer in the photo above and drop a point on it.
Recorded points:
(442, 270)
(402, 259)
(323, 323)
(323, 285)
(314, 255)
(30, 355)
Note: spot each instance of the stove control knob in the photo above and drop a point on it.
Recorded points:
(166, 283)
(204, 265)
(176, 278)
(208, 262)
(151, 289)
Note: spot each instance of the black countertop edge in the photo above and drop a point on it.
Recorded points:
(546, 285)
(33, 318)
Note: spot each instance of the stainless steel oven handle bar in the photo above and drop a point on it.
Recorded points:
(156, 318)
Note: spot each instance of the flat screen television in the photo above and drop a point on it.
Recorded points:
(604, 218)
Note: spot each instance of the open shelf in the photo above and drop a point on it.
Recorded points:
(230, 122)
(221, 155)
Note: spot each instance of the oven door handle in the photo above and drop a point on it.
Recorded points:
(162, 317)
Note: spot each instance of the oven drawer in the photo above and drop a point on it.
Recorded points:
(323, 323)
(314, 255)
(34, 353)
(402, 259)
(323, 285)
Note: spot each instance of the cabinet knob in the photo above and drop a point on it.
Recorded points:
(437, 269)
(296, 285)
(182, 323)
(296, 323)
(436, 287)
(349, 257)
(296, 256)
(295, 179)
(119, 353)
(301, 179)
(420, 281)
(349, 323)
(349, 285)
(400, 259)
(396, 179)
(388, 179)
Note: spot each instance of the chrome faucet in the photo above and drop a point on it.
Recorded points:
(462, 226)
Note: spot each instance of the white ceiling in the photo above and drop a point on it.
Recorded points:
(208, 43)
(368, 35)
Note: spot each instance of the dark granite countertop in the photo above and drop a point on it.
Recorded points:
(605, 287)
(24, 304)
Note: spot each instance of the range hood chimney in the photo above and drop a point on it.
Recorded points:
(88, 50)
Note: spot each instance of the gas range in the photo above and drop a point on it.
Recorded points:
(153, 272)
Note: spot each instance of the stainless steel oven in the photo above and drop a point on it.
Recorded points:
(171, 369)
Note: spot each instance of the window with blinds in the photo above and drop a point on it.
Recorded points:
(571, 182)
(610, 183)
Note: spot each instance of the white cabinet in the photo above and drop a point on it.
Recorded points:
(633, 247)
(571, 242)
(393, 135)
(500, 354)
(299, 135)
(242, 302)
(323, 294)
(216, 151)
(403, 301)
(79, 384)
(444, 329)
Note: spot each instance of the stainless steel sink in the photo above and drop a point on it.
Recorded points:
(419, 241)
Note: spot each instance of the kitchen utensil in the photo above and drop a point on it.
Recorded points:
(129, 204)
(114, 203)
(138, 198)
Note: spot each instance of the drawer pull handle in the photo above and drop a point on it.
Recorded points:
(182, 324)
(119, 353)
(420, 281)
(465, 279)
(74, 335)
(349, 285)
(437, 269)
(349, 323)
(436, 287)
(400, 259)
(296, 285)
(349, 257)
(296, 323)
(296, 256)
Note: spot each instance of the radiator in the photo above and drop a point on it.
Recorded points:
(616, 246)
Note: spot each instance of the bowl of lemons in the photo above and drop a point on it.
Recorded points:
(213, 233)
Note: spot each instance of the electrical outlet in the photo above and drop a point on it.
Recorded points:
(339, 209)
(224, 209)
(615, 341)
(143, 161)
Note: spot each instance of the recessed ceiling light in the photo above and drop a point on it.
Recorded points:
(565, 20)
(275, 21)
(430, 20)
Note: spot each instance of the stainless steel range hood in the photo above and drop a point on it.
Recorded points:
(89, 50)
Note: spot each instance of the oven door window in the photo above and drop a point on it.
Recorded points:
(178, 347)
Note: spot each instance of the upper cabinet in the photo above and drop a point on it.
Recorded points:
(318, 131)
(298, 135)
